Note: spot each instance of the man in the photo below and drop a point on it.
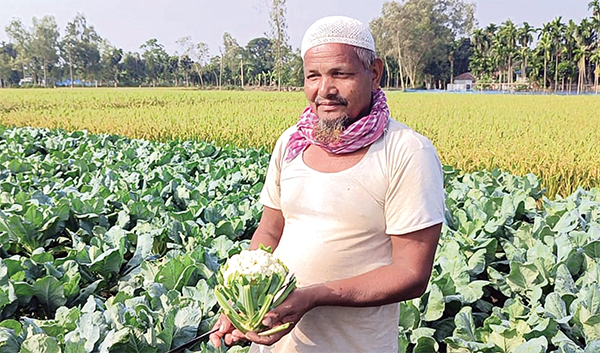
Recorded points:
(353, 205)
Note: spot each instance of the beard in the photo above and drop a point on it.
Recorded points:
(327, 131)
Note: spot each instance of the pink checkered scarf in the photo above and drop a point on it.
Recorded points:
(359, 134)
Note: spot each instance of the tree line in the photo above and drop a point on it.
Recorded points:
(557, 56)
(426, 43)
(423, 43)
(42, 56)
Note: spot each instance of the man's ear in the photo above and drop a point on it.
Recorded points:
(377, 72)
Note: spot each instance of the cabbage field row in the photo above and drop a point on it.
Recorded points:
(553, 137)
(110, 244)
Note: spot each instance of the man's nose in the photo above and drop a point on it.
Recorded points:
(327, 86)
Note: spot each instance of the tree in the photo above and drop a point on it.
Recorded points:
(198, 53)
(156, 59)
(260, 57)
(214, 67)
(173, 69)
(383, 46)
(8, 56)
(506, 48)
(545, 47)
(557, 33)
(595, 58)
(479, 63)
(21, 38)
(232, 56)
(185, 65)
(452, 48)
(391, 32)
(567, 68)
(132, 69)
(594, 5)
(525, 38)
(462, 55)
(111, 59)
(80, 47)
(185, 60)
(420, 32)
(279, 36)
(44, 43)
(295, 72)
(583, 38)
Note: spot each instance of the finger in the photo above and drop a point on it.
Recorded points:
(271, 318)
(266, 340)
(234, 337)
(238, 334)
(225, 325)
(215, 339)
(230, 339)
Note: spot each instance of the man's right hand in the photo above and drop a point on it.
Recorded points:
(226, 331)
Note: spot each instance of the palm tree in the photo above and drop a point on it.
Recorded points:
(594, 5)
(491, 29)
(480, 63)
(595, 58)
(498, 56)
(583, 38)
(476, 62)
(569, 46)
(580, 56)
(507, 35)
(557, 32)
(525, 37)
(479, 39)
(545, 47)
(453, 47)
(537, 65)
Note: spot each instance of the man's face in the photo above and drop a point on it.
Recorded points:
(337, 84)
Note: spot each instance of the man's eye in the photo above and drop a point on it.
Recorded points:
(340, 74)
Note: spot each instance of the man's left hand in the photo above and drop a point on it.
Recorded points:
(291, 310)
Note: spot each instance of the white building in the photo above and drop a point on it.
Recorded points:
(462, 83)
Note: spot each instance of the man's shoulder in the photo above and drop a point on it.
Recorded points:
(404, 137)
(282, 141)
(285, 136)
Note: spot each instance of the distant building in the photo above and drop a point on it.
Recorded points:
(25, 80)
(462, 83)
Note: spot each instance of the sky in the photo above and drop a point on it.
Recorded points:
(127, 24)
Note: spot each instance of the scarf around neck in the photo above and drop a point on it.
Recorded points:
(357, 135)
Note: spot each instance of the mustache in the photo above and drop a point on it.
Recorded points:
(331, 99)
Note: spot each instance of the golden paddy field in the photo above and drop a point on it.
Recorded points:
(554, 137)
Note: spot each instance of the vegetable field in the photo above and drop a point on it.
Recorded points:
(111, 238)
(110, 244)
(553, 137)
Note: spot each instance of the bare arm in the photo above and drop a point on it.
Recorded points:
(405, 278)
(270, 229)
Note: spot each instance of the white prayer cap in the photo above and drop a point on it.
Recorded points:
(337, 29)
